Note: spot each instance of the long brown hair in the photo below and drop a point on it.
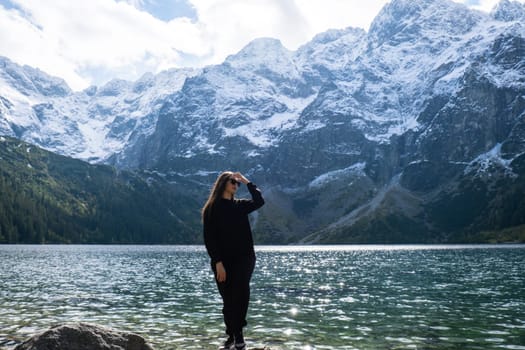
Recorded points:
(216, 193)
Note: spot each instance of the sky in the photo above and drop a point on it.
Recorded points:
(91, 42)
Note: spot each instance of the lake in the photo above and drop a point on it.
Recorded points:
(303, 297)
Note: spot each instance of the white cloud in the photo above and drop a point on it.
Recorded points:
(24, 42)
(136, 3)
(340, 14)
(79, 39)
(90, 42)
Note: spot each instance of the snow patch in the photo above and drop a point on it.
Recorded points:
(330, 176)
(261, 132)
(93, 134)
(397, 129)
(205, 173)
(314, 125)
(482, 163)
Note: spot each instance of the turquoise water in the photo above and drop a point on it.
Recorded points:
(321, 297)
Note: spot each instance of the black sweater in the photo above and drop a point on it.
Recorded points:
(227, 233)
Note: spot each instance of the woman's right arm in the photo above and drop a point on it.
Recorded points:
(211, 239)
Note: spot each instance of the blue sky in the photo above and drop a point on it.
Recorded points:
(91, 42)
(167, 10)
(161, 9)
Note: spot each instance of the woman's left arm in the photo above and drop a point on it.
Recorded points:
(257, 200)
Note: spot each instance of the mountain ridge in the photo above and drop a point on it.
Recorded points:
(356, 136)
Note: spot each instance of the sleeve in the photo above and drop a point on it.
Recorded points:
(211, 240)
(257, 200)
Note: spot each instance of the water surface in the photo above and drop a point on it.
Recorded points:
(303, 297)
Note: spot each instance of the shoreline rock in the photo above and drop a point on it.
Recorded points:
(84, 336)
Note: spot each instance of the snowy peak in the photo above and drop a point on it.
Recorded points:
(31, 81)
(401, 19)
(170, 80)
(332, 49)
(262, 53)
(114, 87)
(508, 11)
(349, 34)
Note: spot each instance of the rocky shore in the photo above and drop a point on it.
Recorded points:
(85, 336)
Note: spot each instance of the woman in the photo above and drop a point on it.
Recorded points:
(229, 242)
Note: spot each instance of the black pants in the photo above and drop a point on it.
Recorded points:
(235, 293)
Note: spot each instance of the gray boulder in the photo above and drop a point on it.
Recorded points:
(84, 336)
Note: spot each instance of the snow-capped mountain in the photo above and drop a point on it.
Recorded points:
(90, 125)
(412, 131)
(508, 11)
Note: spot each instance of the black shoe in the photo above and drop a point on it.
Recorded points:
(229, 344)
(240, 346)
(239, 342)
